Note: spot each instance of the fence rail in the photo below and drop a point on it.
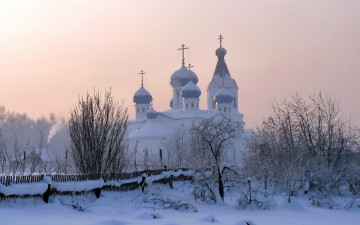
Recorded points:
(6, 180)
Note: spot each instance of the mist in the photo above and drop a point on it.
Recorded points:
(49, 132)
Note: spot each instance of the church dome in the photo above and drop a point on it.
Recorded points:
(223, 96)
(151, 114)
(142, 96)
(220, 52)
(182, 76)
(190, 90)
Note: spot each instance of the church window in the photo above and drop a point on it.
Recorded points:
(192, 105)
(234, 102)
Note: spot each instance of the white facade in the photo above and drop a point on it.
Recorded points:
(148, 133)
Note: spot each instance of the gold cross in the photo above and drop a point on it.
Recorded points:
(220, 39)
(190, 75)
(183, 49)
(142, 77)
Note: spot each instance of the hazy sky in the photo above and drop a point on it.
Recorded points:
(53, 51)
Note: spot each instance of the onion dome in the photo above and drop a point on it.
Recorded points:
(190, 90)
(223, 96)
(182, 76)
(151, 114)
(142, 96)
(220, 52)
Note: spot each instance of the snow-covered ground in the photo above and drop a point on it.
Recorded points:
(157, 205)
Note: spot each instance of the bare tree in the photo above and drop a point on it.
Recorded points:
(177, 145)
(3, 154)
(216, 135)
(17, 156)
(97, 128)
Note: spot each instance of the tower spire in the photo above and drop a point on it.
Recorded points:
(183, 56)
(142, 77)
(220, 39)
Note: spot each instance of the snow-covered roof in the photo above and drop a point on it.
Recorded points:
(151, 114)
(152, 129)
(142, 96)
(190, 90)
(182, 76)
(223, 96)
(196, 114)
(227, 81)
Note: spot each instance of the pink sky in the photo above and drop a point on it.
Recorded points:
(53, 51)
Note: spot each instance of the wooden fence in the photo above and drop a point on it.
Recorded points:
(17, 179)
(124, 181)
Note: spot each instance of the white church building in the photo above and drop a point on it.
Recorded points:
(150, 130)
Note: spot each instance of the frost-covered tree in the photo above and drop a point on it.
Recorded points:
(177, 146)
(97, 128)
(215, 135)
(305, 144)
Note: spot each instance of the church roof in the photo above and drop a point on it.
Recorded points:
(190, 90)
(223, 96)
(178, 114)
(182, 76)
(221, 67)
(152, 129)
(142, 96)
(151, 114)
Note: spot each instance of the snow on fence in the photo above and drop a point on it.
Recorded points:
(44, 185)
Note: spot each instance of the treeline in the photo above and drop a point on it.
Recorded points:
(306, 146)
(28, 145)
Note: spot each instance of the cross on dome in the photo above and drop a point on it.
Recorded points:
(189, 67)
(220, 39)
(142, 77)
(183, 57)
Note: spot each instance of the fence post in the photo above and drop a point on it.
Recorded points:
(97, 192)
(47, 194)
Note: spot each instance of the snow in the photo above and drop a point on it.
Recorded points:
(24, 189)
(132, 208)
(152, 129)
(78, 186)
(198, 114)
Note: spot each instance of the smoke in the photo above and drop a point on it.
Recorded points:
(58, 126)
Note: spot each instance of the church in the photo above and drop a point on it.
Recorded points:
(149, 132)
